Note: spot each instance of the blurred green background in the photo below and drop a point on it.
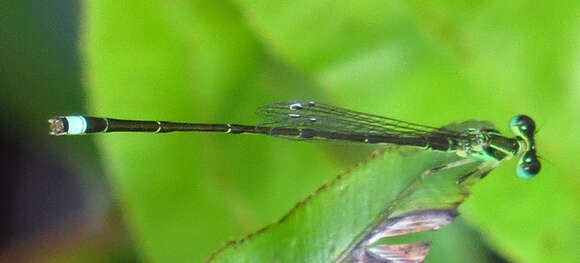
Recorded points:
(179, 197)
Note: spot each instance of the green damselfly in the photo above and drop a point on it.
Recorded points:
(309, 120)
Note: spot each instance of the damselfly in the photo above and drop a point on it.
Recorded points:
(309, 120)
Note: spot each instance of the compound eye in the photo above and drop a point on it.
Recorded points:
(523, 125)
(529, 166)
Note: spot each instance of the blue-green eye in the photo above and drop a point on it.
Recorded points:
(528, 166)
(523, 126)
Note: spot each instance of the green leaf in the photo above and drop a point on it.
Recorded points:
(390, 195)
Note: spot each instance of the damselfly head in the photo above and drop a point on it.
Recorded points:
(523, 127)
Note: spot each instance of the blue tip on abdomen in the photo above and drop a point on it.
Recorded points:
(76, 125)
